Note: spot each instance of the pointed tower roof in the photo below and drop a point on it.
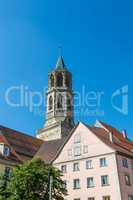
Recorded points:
(60, 63)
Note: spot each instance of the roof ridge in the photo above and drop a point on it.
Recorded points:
(19, 132)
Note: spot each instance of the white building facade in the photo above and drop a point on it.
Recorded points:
(89, 167)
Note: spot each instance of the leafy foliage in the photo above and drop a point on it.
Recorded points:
(30, 181)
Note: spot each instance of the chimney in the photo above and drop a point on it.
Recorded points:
(111, 138)
(124, 133)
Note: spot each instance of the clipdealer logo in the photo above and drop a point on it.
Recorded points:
(88, 103)
(122, 95)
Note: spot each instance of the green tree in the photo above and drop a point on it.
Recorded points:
(30, 181)
(4, 181)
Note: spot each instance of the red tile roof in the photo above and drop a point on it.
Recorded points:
(24, 145)
(123, 141)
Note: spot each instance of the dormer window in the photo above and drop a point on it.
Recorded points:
(4, 149)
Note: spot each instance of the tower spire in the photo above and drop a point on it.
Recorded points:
(60, 62)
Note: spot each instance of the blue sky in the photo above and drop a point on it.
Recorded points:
(97, 41)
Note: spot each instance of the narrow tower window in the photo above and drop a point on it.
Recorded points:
(59, 80)
(52, 80)
(67, 82)
(69, 103)
(50, 103)
(60, 102)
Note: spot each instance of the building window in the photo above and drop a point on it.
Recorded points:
(6, 151)
(76, 184)
(103, 162)
(127, 180)
(65, 184)
(105, 180)
(90, 182)
(59, 80)
(67, 80)
(132, 164)
(130, 197)
(77, 139)
(106, 198)
(69, 103)
(77, 151)
(88, 164)
(60, 101)
(64, 169)
(76, 167)
(52, 80)
(85, 149)
(91, 198)
(7, 172)
(125, 163)
(50, 103)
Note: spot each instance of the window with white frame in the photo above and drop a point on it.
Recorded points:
(103, 162)
(4, 149)
(90, 182)
(104, 180)
(127, 179)
(77, 138)
(77, 151)
(88, 164)
(76, 184)
(76, 167)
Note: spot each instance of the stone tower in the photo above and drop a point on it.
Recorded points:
(59, 100)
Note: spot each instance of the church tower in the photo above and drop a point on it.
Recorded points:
(59, 104)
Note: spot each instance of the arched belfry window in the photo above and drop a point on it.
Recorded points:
(60, 101)
(69, 103)
(51, 80)
(59, 80)
(68, 81)
(50, 103)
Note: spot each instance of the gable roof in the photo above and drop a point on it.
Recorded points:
(50, 150)
(125, 142)
(117, 144)
(24, 145)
